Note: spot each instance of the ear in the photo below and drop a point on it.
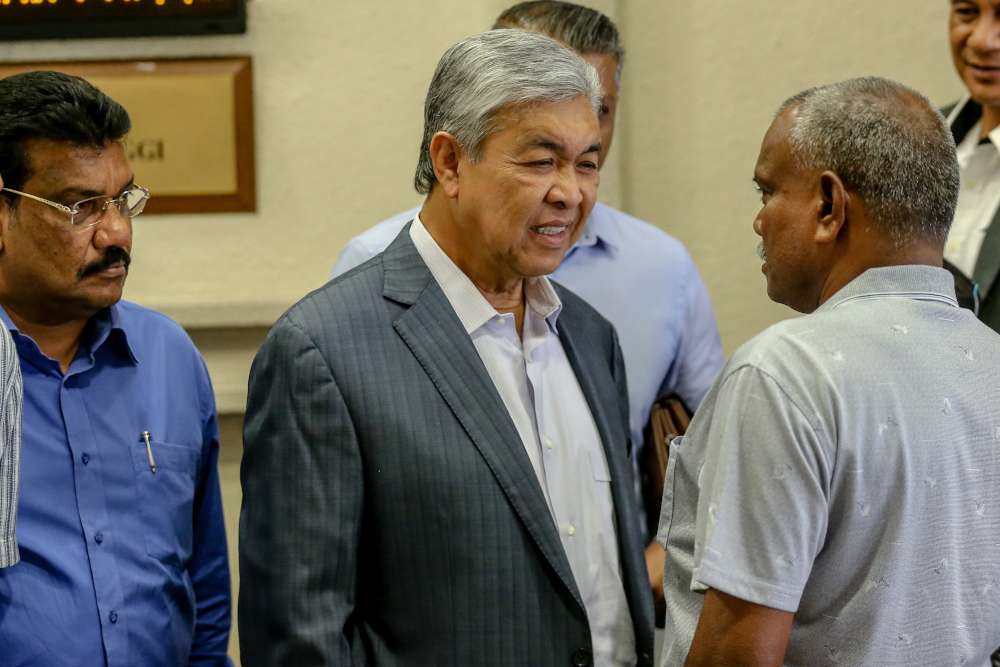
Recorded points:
(833, 207)
(445, 155)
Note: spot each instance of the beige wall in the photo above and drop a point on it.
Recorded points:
(701, 85)
(339, 90)
(339, 94)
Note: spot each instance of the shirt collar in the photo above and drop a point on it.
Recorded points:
(914, 281)
(471, 306)
(965, 121)
(107, 326)
(600, 227)
(110, 326)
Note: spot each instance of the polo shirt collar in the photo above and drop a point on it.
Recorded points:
(913, 281)
(599, 228)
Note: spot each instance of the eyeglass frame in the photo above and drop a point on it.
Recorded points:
(74, 209)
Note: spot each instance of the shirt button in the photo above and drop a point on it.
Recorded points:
(98, 537)
(570, 529)
(548, 442)
(113, 617)
(85, 458)
(498, 320)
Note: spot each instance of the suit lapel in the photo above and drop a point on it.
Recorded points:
(601, 400)
(433, 332)
(988, 263)
(967, 117)
(612, 426)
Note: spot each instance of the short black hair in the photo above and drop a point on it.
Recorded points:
(585, 30)
(56, 106)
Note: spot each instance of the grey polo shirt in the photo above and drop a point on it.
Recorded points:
(845, 466)
(10, 445)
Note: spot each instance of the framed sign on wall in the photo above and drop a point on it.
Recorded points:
(87, 19)
(192, 139)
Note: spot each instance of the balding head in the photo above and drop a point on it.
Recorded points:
(891, 147)
(853, 176)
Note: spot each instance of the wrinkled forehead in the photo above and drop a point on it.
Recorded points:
(565, 113)
(44, 152)
(567, 129)
(72, 169)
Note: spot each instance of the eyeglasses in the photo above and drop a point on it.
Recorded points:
(89, 212)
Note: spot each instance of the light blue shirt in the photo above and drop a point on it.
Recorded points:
(544, 400)
(644, 282)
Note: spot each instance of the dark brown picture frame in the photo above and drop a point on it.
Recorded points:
(239, 68)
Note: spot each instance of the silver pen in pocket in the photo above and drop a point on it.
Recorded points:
(149, 450)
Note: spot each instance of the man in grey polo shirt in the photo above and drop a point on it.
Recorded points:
(837, 497)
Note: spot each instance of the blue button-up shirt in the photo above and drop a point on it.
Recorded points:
(644, 282)
(120, 565)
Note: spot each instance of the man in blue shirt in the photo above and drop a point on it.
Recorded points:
(634, 274)
(120, 524)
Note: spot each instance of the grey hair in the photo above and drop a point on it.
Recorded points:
(889, 144)
(494, 70)
(583, 29)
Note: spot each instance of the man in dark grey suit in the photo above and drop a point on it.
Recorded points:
(436, 466)
(972, 251)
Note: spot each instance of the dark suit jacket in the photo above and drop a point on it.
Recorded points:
(988, 265)
(390, 513)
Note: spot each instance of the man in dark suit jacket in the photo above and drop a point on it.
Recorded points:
(436, 466)
(973, 247)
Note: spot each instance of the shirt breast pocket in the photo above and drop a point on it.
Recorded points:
(600, 467)
(166, 499)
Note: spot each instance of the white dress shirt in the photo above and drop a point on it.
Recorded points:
(979, 166)
(543, 397)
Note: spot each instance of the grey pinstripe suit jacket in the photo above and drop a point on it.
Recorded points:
(390, 513)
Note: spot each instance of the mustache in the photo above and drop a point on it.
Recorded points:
(110, 257)
(761, 253)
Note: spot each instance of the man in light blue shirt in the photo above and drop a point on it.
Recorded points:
(636, 275)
